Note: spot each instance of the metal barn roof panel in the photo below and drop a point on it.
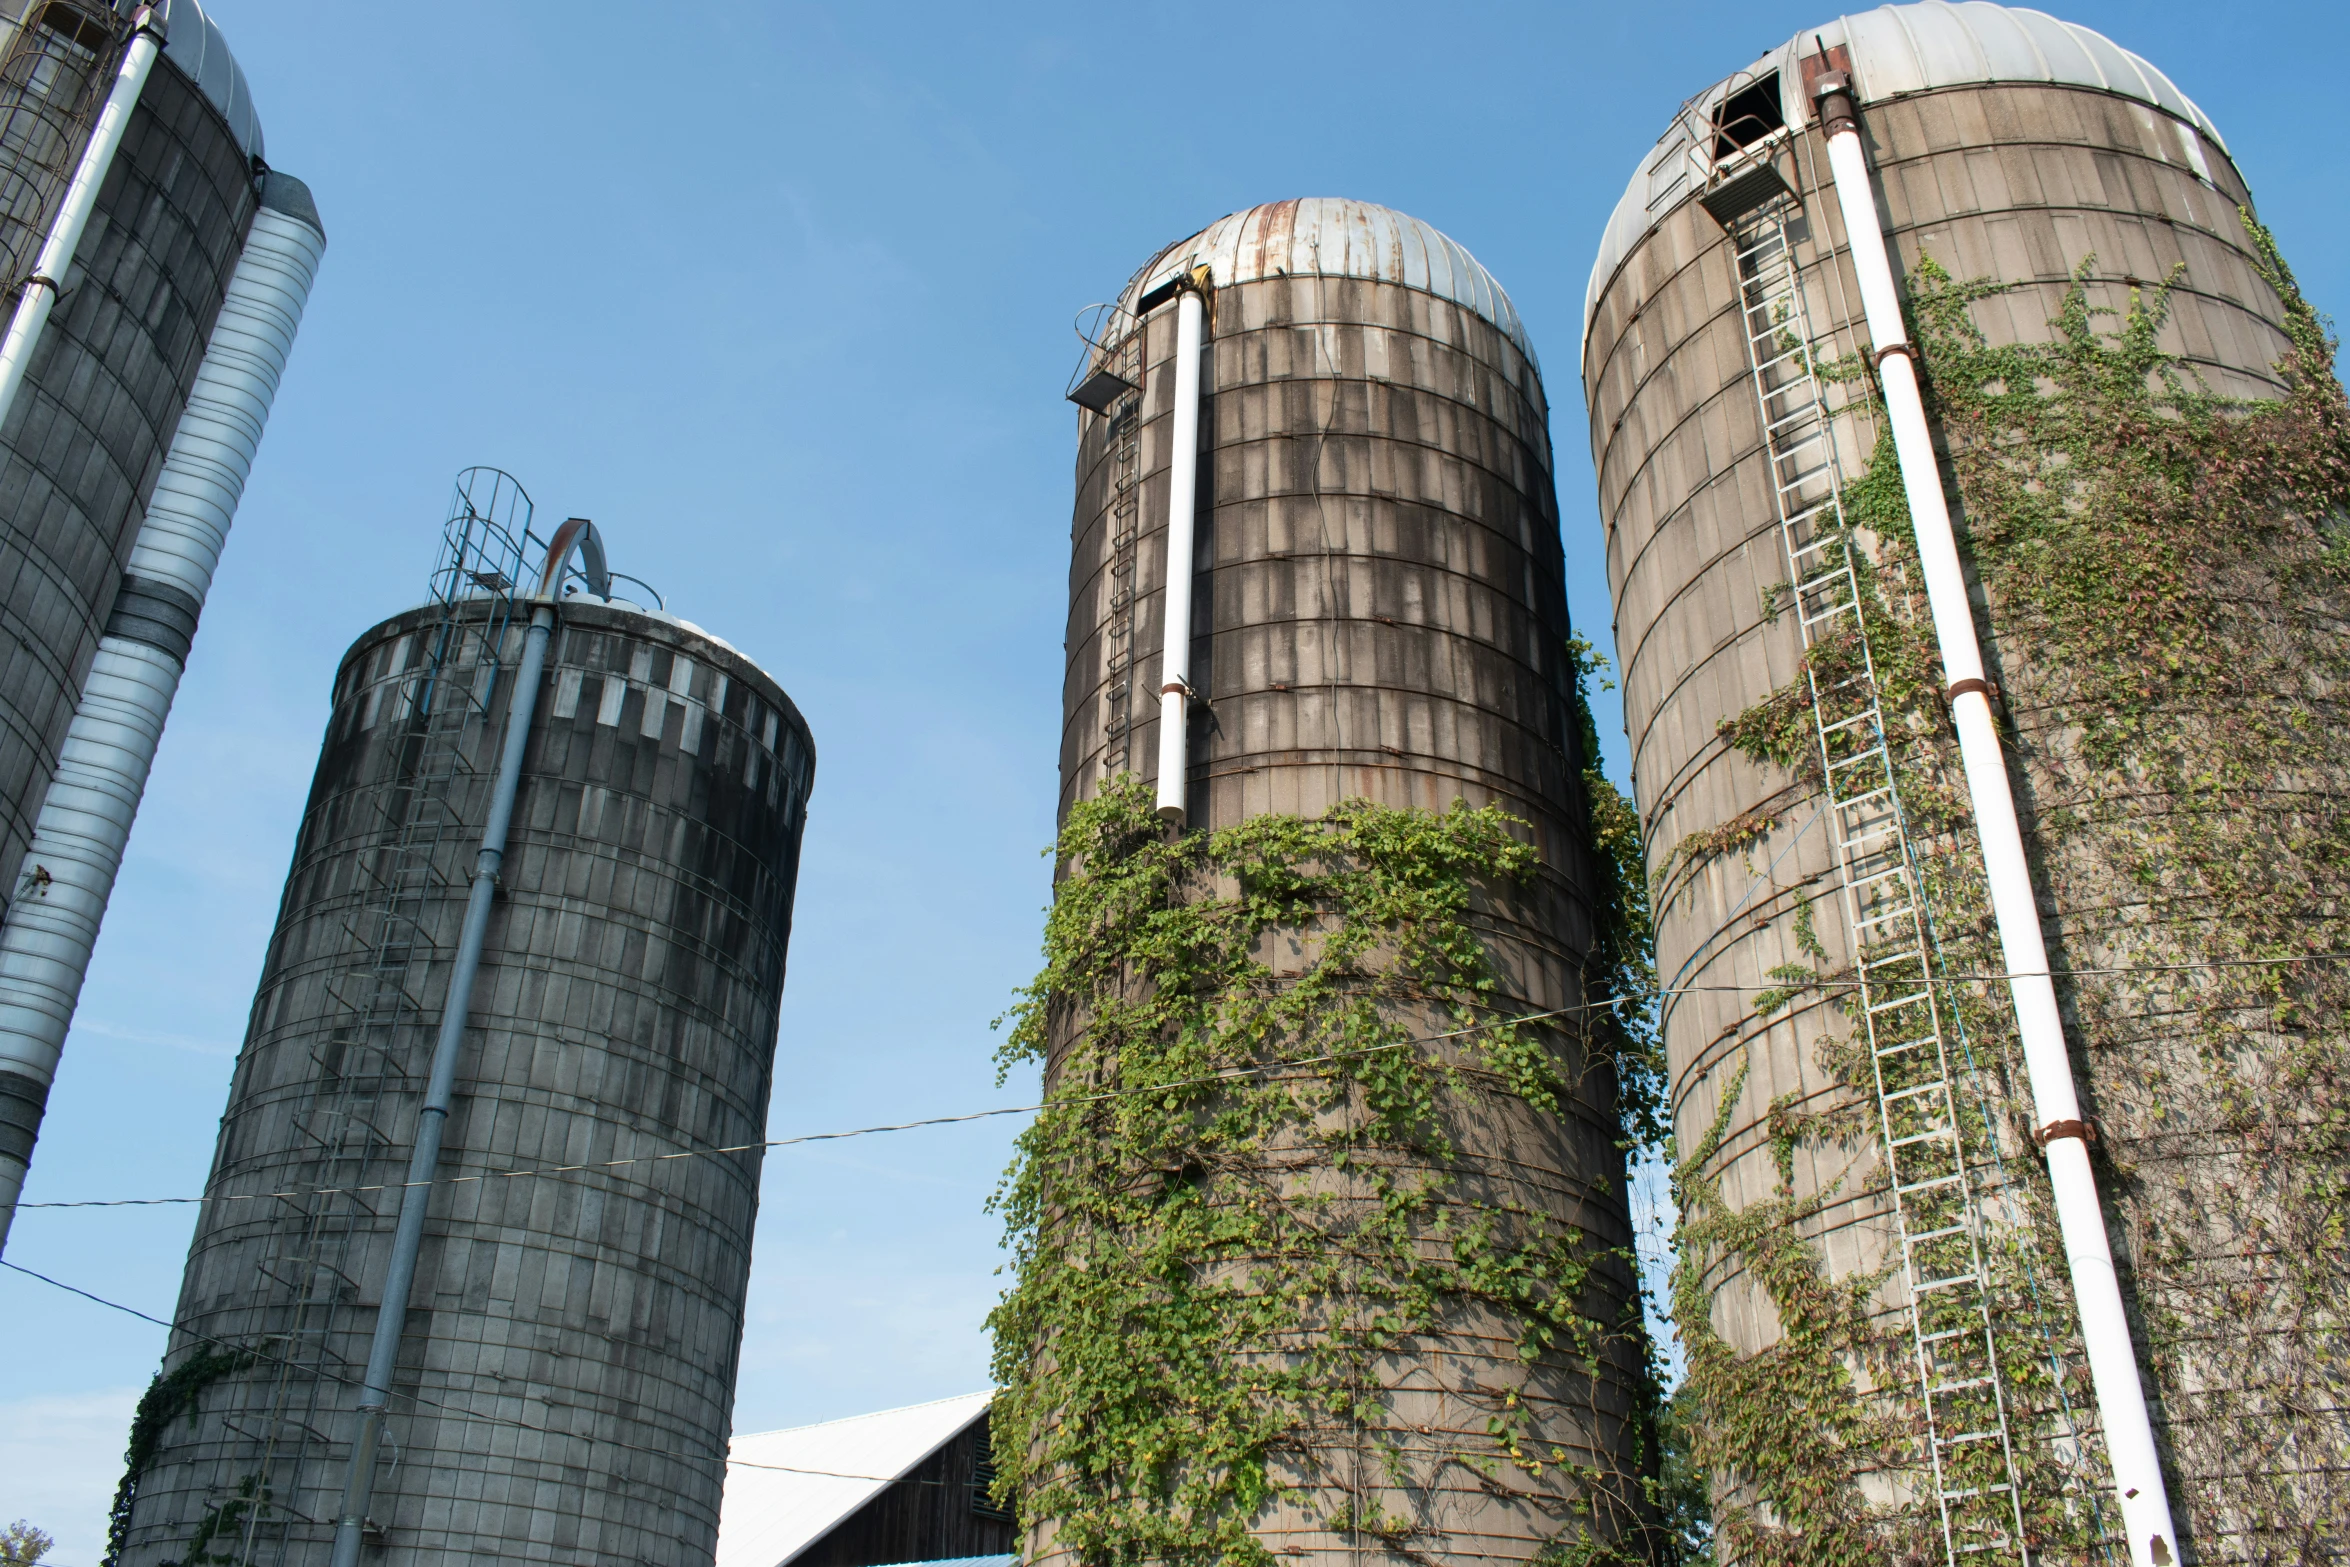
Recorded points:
(820, 1474)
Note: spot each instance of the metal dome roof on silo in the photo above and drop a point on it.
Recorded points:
(1328, 236)
(1896, 50)
(193, 43)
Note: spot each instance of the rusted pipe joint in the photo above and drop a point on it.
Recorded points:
(1832, 92)
(2055, 1131)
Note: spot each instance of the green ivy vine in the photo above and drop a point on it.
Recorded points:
(170, 1396)
(1248, 1197)
(2167, 573)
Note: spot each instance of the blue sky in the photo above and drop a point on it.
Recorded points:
(780, 295)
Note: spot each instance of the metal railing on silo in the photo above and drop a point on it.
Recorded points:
(1109, 383)
(49, 81)
(382, 1032)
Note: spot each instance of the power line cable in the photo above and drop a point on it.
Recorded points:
(1233, 1074)
(418, 1399)
(1822, 983)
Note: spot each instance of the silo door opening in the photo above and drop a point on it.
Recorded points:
(1748, 116)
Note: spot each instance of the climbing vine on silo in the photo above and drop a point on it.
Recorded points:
(1246, 1191)
(170, 1396)
(2168, 581)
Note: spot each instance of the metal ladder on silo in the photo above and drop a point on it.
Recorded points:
(1962, 1392)
(52, 81)
(1125, 434)
(381, 1025)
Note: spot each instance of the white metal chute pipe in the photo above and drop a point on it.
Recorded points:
(2105, 1326)
(73, 213)
(79, 835)
(1182, 522)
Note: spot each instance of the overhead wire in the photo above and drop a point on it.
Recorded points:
(1823, 983)
(418, 1399)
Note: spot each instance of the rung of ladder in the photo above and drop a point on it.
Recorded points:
(1933, 1235)
(1977, 1490)
(1929, 1184)
(1879, 921)
(1897, 871)
(1992, 1435)
(1808, 618)
(1940, 1389)
(1938, 1134)
(1879, 1008)
(1947, 1281)
(1900, 1094)
(1783, 454)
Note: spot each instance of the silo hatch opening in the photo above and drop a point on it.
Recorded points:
(1743, 122)
(1747, 116)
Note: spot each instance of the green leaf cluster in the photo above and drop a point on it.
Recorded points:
(2168, 585)
(172, 1395)
(1248, 1195)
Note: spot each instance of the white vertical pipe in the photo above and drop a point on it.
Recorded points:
(2105, 1325)
(85, 820)
(73, 214)
(1182, 508)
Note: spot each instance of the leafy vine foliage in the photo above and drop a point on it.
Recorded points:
(172, 1394)
(1262, 1212)
(2167, 576)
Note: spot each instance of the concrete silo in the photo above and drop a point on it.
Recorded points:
(1319, 429)
(559, 1385)
(1876, 1091)
(158, 272)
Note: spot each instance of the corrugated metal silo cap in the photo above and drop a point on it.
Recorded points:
(1896, 50)
(1328, 236)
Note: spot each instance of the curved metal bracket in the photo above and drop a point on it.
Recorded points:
(577, 533)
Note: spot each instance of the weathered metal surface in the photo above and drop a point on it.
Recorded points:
(1330, 237)
(1380, 612)
(565, 1389)
(2019, 181)
(80, 452)
(1896, 51)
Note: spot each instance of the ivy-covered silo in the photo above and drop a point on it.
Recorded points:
(2130, 434)
(1323, 1242)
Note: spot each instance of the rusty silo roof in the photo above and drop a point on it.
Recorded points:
(1897, 50)
(1328, 236)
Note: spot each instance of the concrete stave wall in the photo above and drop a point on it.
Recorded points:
(81, 450)
(1380, 613)
(626, 1009)
(2022, 183)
